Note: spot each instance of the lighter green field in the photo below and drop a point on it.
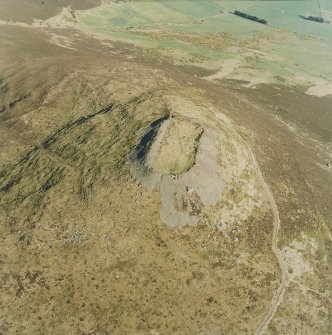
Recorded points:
(205, 32)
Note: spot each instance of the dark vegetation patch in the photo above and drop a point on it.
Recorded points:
(20, 97)
(250, 17)
(3, 86)
(81, 120)
(318, 19)
(296, 107)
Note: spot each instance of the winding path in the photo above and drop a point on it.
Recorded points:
(276, 226)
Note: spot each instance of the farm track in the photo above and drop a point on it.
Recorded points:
(277, 298)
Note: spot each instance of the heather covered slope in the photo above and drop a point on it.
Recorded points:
(79, 231)
(152, 182)
(28, 10)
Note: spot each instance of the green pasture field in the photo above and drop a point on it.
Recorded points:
(171, 24)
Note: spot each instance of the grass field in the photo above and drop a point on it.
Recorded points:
(206, 32)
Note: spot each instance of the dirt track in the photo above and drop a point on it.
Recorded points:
(279, 293)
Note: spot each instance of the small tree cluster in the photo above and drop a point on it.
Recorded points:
(315, 18)
(250, 17)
